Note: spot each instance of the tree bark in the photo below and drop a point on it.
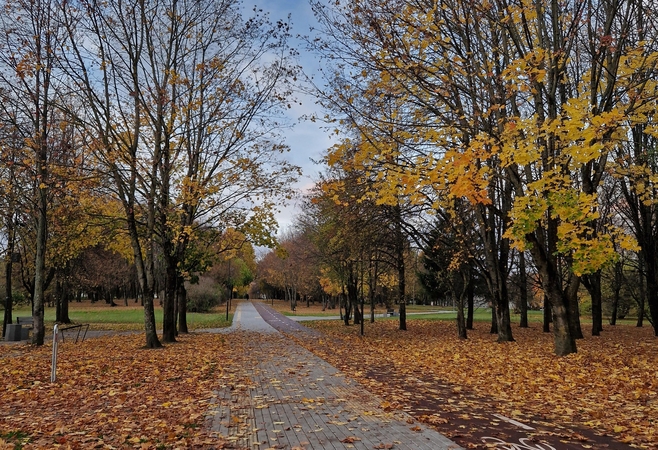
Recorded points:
(564, 341)
(40, 260)
(571, 298)
(182, 306)
(548, 316)
(399, 247)
(592, 283)
(169, 301)
(523, 291)
(497, 257)
(642, 292)
(470, 303)
(64, 302)
(9, 300)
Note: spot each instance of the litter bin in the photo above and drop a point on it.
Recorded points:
(14, 332)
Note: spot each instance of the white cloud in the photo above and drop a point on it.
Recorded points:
(307, 140)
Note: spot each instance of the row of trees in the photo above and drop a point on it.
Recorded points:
(148, 128)
(484, 130)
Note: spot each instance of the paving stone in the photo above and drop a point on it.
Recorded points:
(298, 401)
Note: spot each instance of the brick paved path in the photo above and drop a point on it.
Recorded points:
(291, 399)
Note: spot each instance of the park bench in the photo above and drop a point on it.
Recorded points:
(390, 312)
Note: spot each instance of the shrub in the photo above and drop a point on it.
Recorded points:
(203, 296)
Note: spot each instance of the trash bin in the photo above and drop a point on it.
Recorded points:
(14, 332)
(25, 334)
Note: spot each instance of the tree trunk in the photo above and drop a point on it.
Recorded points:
(459, 288)
(548, 317)
(497, 251)
(352, 294)
(470, 304)
(181, 297)
(145, 284)
(593, 284)
(523, 291)
(546, 263)
(494, 320)
(58, 300)
(652, 291)
(40, 260)
(169, 301)
(642, 292)
(399, 247)
(571, 299)
(64, 300)
(564, 340)
(9, 264)
(503, 318)
(616, 290)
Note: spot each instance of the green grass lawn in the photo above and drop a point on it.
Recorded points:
(484, 315)
(126, 317)
(316, 309)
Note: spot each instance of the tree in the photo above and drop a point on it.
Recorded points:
(515, 108)
(29, 53)
(184, 99)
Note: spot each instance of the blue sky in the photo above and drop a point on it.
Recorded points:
(306, 140)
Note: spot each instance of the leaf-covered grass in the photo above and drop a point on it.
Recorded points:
(315, 309)
(112, 393)
(125, 318)
(609, 385)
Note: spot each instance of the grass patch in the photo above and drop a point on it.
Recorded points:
(18, 438)
(126, 318)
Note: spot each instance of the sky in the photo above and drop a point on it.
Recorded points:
(307, 140)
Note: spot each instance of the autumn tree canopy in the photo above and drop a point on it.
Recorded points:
(520, 109)
(177, 106)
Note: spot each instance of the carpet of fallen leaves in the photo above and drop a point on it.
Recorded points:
(112, 393)
(610, 385)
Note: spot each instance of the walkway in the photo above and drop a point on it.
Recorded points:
(294, 400)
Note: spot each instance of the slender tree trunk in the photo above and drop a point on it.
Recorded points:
(40, 260)
(373, 287)
(58, 300)
(616, 290)
(548, 317)
(503, 317)
(64, 300)
(497, 251)
(593, 284)
(571, 299)
(470, 304)
(642, 292)
(523, 291)
(615, 306)
(182, 306)
(8, 297)
(652, 291)
(363, 317)
(352, 294)
(169, 301)
(348, 307)
(145, 278)
(9, 302)
(458, 290)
